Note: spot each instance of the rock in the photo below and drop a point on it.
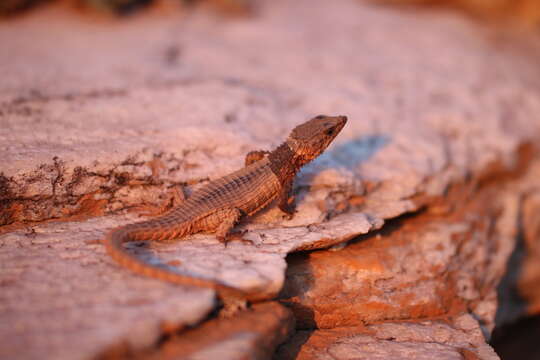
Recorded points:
(62, 297)
(430, 339)
(127, 125)
(419, 266)
(252, 334)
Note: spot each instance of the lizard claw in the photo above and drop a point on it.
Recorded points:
(288, 208)
(237, 235)
(288, 216)
(288, 211)
(223, 239)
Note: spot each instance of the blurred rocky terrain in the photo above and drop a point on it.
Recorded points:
(417, 232)
(522, 12)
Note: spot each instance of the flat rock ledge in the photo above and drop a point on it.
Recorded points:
(404, 226)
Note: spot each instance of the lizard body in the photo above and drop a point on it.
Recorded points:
(219, 205)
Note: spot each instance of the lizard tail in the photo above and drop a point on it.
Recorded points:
(114, 245)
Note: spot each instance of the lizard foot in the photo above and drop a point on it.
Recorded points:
(288, 208)
(288, 216)
(235, 235)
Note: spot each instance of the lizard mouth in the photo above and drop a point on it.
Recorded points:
(342, 120)
(339, 123)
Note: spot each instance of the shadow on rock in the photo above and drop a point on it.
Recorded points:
(296, 285)
(352, 153)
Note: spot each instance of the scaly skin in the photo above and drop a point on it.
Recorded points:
(218, 206)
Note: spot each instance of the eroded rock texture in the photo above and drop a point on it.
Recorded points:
(435, 170)
(418, 266)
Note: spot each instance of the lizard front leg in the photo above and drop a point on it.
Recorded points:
(286, 200)
(254, 156)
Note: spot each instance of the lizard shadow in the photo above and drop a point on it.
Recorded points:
(146, 252)
(343, 157)
(356, 151)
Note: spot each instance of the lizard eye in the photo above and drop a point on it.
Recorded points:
(329, 132)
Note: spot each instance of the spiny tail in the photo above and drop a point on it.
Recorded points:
(114, 245)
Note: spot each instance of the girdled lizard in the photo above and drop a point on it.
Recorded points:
(219, 205)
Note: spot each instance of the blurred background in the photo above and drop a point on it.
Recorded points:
(520, 11)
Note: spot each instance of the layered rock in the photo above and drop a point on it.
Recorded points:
(442, 126)
(457, 339)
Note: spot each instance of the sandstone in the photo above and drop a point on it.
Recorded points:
(48, 307)
(419, 266)
(430, 339)
(251, 334)
(97, 122)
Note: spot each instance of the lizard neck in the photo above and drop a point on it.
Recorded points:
(284, 163)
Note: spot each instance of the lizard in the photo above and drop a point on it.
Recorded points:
(216, 207)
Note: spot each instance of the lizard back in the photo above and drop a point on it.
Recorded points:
(248, 189)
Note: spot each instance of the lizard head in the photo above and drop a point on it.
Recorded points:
(311, 138)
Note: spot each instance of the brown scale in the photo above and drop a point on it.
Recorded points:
(218, 206)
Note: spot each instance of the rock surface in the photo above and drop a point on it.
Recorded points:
(437, 264)
(100, 117)
(432, 339)
(62, 296)
(416, 267)
(251, 334)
